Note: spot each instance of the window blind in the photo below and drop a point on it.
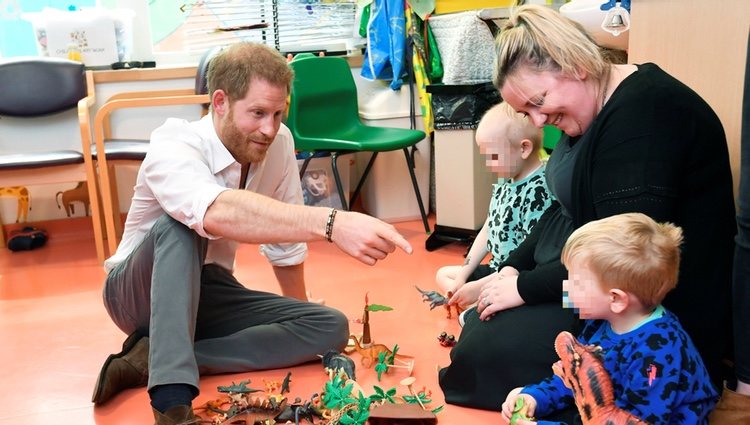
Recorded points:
(287, 25)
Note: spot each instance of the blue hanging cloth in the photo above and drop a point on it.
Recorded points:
(386, 40)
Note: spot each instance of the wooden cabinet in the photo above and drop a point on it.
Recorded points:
(703, 43)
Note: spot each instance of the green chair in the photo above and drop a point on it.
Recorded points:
(324, 119)
(552, 135)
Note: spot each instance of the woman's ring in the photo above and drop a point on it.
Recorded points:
(485, 301)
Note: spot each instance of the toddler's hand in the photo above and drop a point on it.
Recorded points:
(466, 295)
(509, 406)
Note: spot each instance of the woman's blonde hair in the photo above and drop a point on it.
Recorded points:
(630, 252)
(539, 38)
(234, 68)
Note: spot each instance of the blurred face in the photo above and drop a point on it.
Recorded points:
(584, 292)
(501, 157)
(552, 98)
(250, 124)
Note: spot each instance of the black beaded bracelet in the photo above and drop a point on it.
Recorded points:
(329, 224)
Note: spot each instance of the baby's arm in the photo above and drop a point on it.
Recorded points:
(452, 278)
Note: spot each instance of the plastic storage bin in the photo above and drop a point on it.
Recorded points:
(388, 193)
(101, 36)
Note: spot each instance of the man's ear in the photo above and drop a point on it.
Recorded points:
(619, 300)
(220, 102)
(527, 147)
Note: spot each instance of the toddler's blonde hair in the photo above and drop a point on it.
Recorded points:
(501, 122)
(630, 252)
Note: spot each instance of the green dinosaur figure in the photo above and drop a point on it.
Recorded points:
(519, 412)
(240, 388)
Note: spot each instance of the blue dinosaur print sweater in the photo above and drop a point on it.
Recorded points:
(656, 372)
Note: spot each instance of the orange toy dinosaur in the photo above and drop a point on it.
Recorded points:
(582, 370)
(370, 353)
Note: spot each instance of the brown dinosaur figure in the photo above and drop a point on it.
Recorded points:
(582, 370)
(371, 352)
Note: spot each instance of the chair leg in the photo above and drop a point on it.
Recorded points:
(410, 165)
(305, 163)
(2, 235)
(337, 177)
(108, 209)
(115, 201)
(96, 221)
(362, 179)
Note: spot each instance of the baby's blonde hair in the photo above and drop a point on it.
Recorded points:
(630, 252)
(502, 122)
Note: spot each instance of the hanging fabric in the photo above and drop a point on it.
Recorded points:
(428, 68)
(386, 39)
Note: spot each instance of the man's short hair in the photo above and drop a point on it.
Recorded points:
(234, 68)
(630, 252)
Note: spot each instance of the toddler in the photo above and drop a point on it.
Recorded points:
(620, 268)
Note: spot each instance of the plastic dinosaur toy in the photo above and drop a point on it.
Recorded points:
(257, 411)
(239, 408)
(436, 299)
(335, 362)
(286, 383)
(240, 388)
(520, 412)
(370, 354)
(433, 297)
(582, 370)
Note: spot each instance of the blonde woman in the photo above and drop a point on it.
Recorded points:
(635, 140)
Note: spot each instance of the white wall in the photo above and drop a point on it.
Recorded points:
(378, 103)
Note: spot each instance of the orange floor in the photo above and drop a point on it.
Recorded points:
(54, 332)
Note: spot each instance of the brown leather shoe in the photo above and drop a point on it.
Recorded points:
(178, 415)
(126, 369)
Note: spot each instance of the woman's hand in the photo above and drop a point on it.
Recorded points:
(508, 271)
(500, 293)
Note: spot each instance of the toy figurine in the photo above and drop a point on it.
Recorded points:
(298, 410)
(433, 297)
(446, 340)
(436, 299)
(366, 338)
(240, 388)
(370, 354)
(520, 411)
(335, 362)
(582, 370)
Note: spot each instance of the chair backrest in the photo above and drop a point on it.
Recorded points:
(323, 98)
(38, 86)
(201, 74)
